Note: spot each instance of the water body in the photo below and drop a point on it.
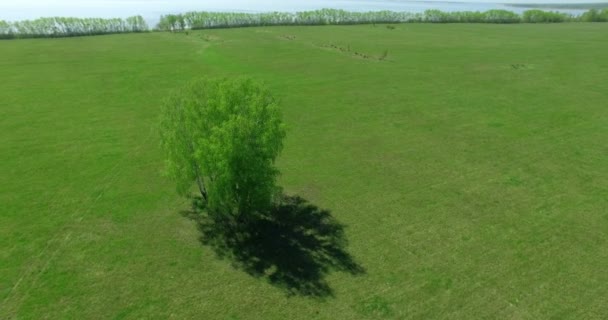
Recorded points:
(151, 10)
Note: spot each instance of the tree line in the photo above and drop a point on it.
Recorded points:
(207, 20)
(70, 27)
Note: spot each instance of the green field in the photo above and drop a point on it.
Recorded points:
(469, 168)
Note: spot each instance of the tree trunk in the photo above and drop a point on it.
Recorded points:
(201, 186)
(197, 171)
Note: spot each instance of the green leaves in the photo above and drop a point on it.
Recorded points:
(5, 30)
(225, 133)
(207, 20)
(69, 27)
(541, 16)
(595, 15)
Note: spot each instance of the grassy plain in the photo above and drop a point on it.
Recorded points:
(470, 168)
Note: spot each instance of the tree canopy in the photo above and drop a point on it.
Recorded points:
(70, 27)
(224, 135)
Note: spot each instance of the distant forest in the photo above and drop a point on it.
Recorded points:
(71, 27)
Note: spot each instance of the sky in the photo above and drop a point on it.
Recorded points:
(152, 9)
(32, 3)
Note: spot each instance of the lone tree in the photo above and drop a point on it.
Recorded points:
(224, 135)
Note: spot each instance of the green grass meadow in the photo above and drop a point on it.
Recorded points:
(469, 167)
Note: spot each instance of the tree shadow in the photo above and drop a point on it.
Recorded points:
(294, 246)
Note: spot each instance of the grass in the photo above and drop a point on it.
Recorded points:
(468, 172)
